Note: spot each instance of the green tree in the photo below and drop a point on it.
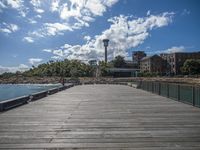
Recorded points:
(119, 62)
(103, 66)
(191, 66)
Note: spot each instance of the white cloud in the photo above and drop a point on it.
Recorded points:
(47, 50)
(175, 49)
(35, 61)
(36, 3)
(55, 5)
(66, 46)
(5, 30)
(2, 6)
(39, 10)
(87, 38)
(38, 16)
(13, 27)
(124, 33)
(50, 29)
(8, 28)
(54, 28)
(109, 3)
(58, 52)
(15, 3)
(84, 10)
(32, 21)
(39, 5)
(55, 57)
(74, 14)
(18, 5)
(148, 12)
(28, 39)
(20, 68)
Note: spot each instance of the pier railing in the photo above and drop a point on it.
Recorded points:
(185, 93)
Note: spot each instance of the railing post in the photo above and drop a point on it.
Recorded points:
(193, 95)
(178, 92)
(1, 107)
(159, 88)
(152, 87)
(168, 90)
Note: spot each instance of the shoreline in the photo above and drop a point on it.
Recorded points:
(56, 80)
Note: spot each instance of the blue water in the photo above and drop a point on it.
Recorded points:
(9, 91)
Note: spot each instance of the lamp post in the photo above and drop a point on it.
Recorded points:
(62, 70)
(105, 42)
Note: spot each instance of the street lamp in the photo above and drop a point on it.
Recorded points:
(105, 42)
(62, 70)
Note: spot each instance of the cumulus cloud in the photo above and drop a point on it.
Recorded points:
(124, 33)
(56, 28)
(87, 37)
(13, 27)
(14, 4)
(55, 5)
(73, 15)
(35, 61)
(175, 49)
(8, 28)
(14, 69)
(50, 29)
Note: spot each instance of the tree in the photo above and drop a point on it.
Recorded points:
(103, 66)
(191, 66)
(66, 68)
(119, 62)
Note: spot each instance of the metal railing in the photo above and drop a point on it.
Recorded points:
(180, 92)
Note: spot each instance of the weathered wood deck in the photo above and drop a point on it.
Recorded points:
(102, 117)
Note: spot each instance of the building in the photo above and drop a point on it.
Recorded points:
(137, 56)
(123, 72)
(152, 64)
(175, 61)
(93, 62)
(130, 64)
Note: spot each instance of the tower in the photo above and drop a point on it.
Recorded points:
(105, 42)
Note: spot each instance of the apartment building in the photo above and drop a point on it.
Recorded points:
(152, 64)
(174, 61)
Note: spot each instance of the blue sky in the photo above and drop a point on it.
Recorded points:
(36, 31)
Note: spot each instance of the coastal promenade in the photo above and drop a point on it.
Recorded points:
(100, 117)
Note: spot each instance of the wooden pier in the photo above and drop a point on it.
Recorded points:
(101, 117)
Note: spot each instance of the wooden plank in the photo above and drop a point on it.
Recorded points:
(102, 117)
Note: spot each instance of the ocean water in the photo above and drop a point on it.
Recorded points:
(9, 91)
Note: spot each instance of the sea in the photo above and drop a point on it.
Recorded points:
(10, 91)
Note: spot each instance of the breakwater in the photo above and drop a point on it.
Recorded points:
(18, 101)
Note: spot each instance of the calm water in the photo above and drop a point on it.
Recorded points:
(9, 91)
